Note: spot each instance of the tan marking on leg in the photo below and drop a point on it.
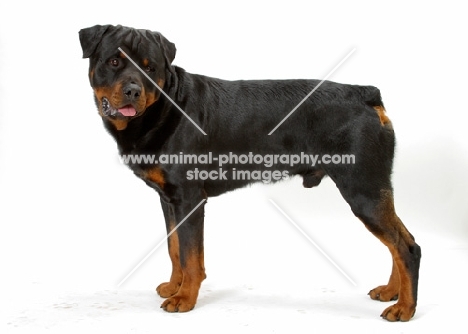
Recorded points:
(398, 240)
(194, 273)
(388, 292)
(170, 288)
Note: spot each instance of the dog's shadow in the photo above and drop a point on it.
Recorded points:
(315, 302)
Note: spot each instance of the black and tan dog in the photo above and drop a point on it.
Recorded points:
(236, 118)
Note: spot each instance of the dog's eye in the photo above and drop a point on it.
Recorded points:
(114, 62)
(149, 69)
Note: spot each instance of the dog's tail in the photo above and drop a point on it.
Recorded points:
(371, 96)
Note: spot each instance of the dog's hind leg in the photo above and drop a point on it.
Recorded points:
(406, 254)
(376, 210)
(366, 186)
(388, 292)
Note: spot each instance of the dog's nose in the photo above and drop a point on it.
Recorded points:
(132, 91)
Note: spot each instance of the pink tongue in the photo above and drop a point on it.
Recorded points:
(128, 111)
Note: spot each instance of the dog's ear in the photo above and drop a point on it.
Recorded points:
(90, 38)
(168, 48)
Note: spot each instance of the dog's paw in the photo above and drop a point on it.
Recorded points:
(384, 293)
(168, 289)
(399, 312)
(178, 304)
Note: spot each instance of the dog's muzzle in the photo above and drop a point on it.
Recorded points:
(108, 110)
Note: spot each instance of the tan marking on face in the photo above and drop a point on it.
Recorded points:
(114, 95)
(153, 97)
(161, 83)
(116, 99)
(120, 124)
(150, 99)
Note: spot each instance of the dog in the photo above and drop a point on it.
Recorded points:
(154, 108)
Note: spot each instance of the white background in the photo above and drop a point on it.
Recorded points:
(74, 221)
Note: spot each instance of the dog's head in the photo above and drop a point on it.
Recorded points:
(121, 90)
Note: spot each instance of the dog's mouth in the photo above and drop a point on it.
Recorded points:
(108, 110)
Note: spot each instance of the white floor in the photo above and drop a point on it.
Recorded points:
(278, 284)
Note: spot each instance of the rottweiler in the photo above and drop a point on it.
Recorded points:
(191, 123)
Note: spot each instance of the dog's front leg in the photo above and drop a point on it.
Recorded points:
(186, 253)
(170, 288)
